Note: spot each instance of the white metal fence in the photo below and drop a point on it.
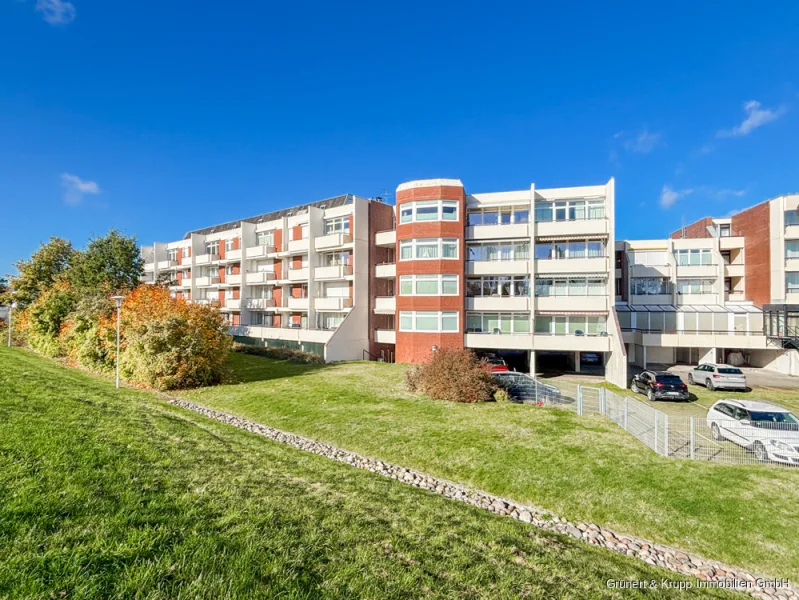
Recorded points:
(697, 438)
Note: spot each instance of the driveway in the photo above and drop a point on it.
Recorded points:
(755, 378)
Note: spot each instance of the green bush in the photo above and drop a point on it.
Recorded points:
(501, 395)
(289, 354)
(46, 316)
(456, 376)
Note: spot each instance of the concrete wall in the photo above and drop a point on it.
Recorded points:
(782, 361)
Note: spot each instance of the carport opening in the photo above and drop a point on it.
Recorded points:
(517, 360)
(553, 363)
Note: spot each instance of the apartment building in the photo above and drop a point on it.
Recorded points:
(298, 277)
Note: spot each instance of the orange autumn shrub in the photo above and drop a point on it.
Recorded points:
(453, 375)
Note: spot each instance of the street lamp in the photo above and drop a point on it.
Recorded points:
(11, 307)
(118, 300)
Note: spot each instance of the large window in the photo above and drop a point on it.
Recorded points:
(212, 247)
(429, 210)
(570, 287)
(570, 249)
(693, 257)
(429, 249)
(172, 254)
(791, 217)
(694, 286)
(329, 320)
(337, 225)
(791, 249)
(569, 210)
(504, 285)
(649, 286)
(428, 285)
(792, 283)
(428, 321)
(649, 258)
(570, 325)
(498, 251)
(336, 259)
(503, 323)
(504, 215)
(265, 238)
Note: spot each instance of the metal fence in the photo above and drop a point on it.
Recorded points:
(710, 439)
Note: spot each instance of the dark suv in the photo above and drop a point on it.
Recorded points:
(660, 385)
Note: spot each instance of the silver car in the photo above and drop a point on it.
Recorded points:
(715, 377)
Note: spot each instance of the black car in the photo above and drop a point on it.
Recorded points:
(660, 385)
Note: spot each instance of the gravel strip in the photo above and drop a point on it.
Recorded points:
(702, 569)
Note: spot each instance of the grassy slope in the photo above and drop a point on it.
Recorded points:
(114, 494)
(580, 468)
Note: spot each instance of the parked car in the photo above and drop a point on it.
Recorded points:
(660, 385)
(590, 358)
(716, 377)
(768, 430)
(496, 364)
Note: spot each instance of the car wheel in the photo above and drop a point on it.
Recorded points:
(634, 387)
(760, 452)
(709, 385)
(690, 379)
(716, 433)
(651, 395)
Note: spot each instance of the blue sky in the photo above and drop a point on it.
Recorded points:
(158, 117)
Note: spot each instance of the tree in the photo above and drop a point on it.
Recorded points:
(46, 266)
(111, 263)
(46, 315)
(5, 297)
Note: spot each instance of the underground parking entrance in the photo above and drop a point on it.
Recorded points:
(549, 363)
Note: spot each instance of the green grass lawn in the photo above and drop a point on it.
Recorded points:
(115, 494)
(578, 467)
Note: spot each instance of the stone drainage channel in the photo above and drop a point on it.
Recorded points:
(654, 554)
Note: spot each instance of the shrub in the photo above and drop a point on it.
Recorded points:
(501, 395)
(289, 354)
(412, 378)
(44, 318)
(83, 340)
(457, 376)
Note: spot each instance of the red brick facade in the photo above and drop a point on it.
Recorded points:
(697, 229)
(754, 224)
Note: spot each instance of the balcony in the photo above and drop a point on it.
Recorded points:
(206, 281)
(297, 303)
(386, 305)
(492, 232)
(260, 277)
(147, 277)
(597, 264)
(260, 303)
(734, 297)
(232, 255)
(332, 303)
(259, 251)
(571, 303)
(205, 259)
(333, 240)
(298, 274)
(732, 242)
(185, 282)
(585, 227)
(696, 299)
(295, 334)
(167, 264)
(298, 245)
(698, 271)
(233, 303)
(792, 232)
(505, 341)
(334, 272)
(148, 267)
(232, 279)
(386, 270)
(740, 270)
(573, 343)
(385, 336)
(792, 264)
(386, 239)
(498, 267)
(490, 303)
(650, 271)
(206, 301)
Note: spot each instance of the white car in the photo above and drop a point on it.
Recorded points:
(714, 377)
(769, 431)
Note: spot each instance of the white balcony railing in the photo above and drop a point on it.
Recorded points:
(233, 303)
(492, 303)
(492, 232)
(258, 251)
(386, 304)
(386, 239)
(298, 245)
(385, 336)
(206, 281)
(260, 277)
(231, 255)
(150, 266)
(297, 303)
(167, 264)
(204, 259)
(332, 240)
(233, 279)
(298, 274)
(386, 270)
(334, 272)
(260, 303)
(332, 303)
(498, 267)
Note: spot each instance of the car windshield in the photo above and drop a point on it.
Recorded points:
(730, 371)
(763, 417)
(669, 379)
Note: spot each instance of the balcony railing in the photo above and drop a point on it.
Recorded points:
(233, 303)
(260, 303)
(298, 274)
(204, 259)
(386, 239)
(332, 272)
(233, 279)
(258, 251)
(385, 336)
(332, 240)
(260, 277)
(386, 270)
(332, 303)
(386, 304)
(207, 281)
(167, 264)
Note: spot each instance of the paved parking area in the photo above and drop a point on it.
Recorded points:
(755, 378)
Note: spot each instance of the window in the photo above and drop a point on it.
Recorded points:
(570, 287)
(791, 217)
(792, 283)
(230, 244)
(693, 257)
(497, 216)
(336, 259)
(791, 249)
(498, 252)
(649, 258)
(428, 285)
(230, 270)
(329, 320)
(569, 210)
(573, 249)
(695, 286)
(428, 321)
(172, 254)
(429, 249)
(497, 323)
(724, 230)
(212, 247)
(337, 225)
(429, 210)
(265, 238)
(649, 286)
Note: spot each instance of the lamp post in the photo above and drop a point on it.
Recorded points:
(11, 308)
(118, 300)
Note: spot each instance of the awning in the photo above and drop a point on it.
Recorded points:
(689, 308)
